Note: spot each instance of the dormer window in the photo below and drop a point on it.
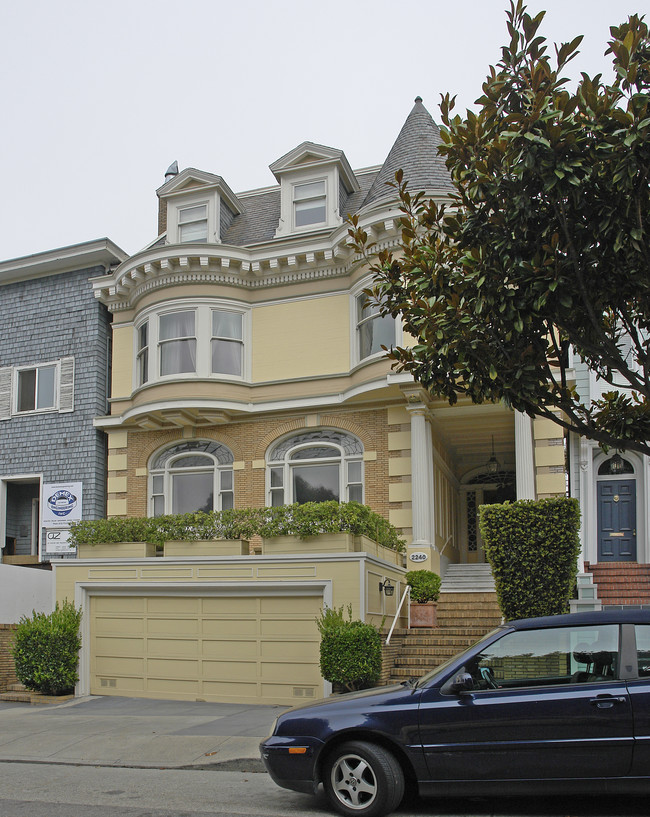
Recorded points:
(310, 203)
(193, 224)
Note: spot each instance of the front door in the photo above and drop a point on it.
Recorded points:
(617, 520)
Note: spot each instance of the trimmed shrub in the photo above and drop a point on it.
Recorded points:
(425, 585)
(350, 651)
(533, 547)
(46, 650)
(304, 520)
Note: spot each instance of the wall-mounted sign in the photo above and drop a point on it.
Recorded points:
(418, 556)
(56, 541)
(61, 504)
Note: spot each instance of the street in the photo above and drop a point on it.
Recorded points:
(61, 790)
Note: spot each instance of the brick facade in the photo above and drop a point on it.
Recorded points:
(7, 669)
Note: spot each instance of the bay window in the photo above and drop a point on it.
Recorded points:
(373, 329)
(177, 341)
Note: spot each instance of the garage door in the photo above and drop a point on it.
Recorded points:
(257, 649)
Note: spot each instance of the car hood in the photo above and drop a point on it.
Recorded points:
(377, 696)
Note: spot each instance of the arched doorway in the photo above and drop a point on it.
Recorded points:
(616, 510)
(482, 488)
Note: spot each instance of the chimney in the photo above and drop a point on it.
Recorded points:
(171, 171)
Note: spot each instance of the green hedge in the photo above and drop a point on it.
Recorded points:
(46, 650)
(350, 651)
(425, 585)
(304, 520)
(533, 547)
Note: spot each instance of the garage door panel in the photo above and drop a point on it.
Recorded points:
(306, 651)
(286, 671)
(118, 665)
(228, 690)
(172, 647)
(280, 628)
(309, 606)
(228, 649)
(179, 688)
(107, 645)
(177, 605)
(229, 670)
(118, 604)
(229, 626)
(168, 625)
(172, 668)
(118, 624)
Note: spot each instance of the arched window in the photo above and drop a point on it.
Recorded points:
(191, 476)
(316, 467)
(615, 466)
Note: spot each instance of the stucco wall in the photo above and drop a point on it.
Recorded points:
(24, 589)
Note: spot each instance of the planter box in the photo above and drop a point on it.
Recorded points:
(116, 550)
(424, 614)
(207, 547)
(331, 543)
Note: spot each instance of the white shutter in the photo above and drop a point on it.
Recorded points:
(66, 384)
(6, 376)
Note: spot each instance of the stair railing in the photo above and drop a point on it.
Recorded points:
(407, 592)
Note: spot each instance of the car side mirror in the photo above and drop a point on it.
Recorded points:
(463, 682)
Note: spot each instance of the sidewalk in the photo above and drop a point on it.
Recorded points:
(136, 732)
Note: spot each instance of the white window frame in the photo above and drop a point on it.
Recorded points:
(179, 202)
(295, 201)
(356, 323)
(142, 356)
(203, 309)
(194, 221)
(167, 473)
(286, 466)
(63, 388)
(162, 342)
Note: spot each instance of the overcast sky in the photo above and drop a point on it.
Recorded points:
(98, 98)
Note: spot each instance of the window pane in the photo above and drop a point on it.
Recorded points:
(277, 498)
(226, 357)
(143, 336)
(310, 212)
(355, 493)
(158, 505)
(227, 325)
(557, 655)
(192, 213)
(315, 483)
(143, 367)
(374, 334)
(27, 390)
(227, 501)
(354, 472)
(365, 308)
(316, 452)
(177, 356)
(192, 492)
(226, 481)
(158, 485)
(46, 382)
(277, 477)
(196, 233)
(193, 461)
(308, 191)
(177, 325)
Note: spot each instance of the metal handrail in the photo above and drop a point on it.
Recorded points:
(406, 593)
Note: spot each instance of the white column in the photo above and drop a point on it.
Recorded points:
(524, 457)
(422, 494)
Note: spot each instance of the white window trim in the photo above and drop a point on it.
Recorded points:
(320, 197)
(63, 388)
(292, 179)
(185, 201)
(202, 308)
(166, 474)
(286, 464)
(355, 346)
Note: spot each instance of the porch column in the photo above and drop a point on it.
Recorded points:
(524, 456)
(422, 477)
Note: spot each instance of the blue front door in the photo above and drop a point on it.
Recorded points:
(617, 520)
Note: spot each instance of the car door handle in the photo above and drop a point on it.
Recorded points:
(607, 701)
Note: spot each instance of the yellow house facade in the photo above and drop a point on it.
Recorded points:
(248, 369)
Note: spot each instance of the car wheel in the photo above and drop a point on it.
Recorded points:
(363, 779)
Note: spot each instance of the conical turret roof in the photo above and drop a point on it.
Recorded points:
(416, 152)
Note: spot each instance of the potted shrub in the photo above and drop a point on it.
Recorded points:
(425, 589)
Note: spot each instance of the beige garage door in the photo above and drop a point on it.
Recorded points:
(258, 649)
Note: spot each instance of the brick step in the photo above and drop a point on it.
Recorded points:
(435, 641)
(436, 632)
(16, 688)
(425, 661)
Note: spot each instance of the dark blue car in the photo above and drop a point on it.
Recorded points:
(544, 705)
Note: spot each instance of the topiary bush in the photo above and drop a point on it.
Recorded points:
(350, 651)
(533, 547)
(46, 650)
(424, 584)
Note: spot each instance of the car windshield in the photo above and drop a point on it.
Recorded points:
(430, 676)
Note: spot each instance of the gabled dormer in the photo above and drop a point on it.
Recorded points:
(196, 207)
(315, 181)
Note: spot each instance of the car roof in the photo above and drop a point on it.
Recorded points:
(617, 616)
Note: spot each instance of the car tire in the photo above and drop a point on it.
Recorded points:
(363, 779)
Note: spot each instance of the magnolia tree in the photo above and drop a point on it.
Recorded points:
(542, 251)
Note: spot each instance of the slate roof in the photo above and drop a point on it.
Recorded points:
(416, 152)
